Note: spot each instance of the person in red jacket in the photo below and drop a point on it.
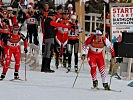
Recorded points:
(96, 43)
(61, 40)
(13, 47)
(73, 42)
(4, 32)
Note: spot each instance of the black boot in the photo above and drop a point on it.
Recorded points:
(43, 64)
(95, 84)
(76, 68)
(106, 86)
(57, 63)
(69, 68)
(2, 76)
(64, 63)
(48, 66)
(16, 76)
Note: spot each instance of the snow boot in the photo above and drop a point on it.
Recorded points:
(43, 64)
(69, 68)
(2, 76)
(106, 86)
(48, 65)
(64, 63)
(57, 63)
(76, 68)
(95, 84)
(16, 76)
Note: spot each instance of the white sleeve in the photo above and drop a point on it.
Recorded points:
(108, 43)
(85, 50)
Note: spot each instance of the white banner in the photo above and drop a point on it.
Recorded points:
(121, 20)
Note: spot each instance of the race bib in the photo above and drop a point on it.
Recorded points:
(65, 29)
(31, 20)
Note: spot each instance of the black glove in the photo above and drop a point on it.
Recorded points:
(73, 27)
(25, 50)
(83, 57)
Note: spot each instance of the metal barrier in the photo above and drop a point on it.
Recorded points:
(92, 19)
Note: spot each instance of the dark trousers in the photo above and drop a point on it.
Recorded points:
(47, 53)
(33, 31)
(71, 44)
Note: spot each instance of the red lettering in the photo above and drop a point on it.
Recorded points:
(126, 10)
(122, 10)
(126, 15)
(114, 10)
(122, 15)
(118, 10)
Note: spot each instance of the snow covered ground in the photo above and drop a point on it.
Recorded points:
(58, 86)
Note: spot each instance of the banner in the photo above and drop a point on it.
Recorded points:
(121, 20)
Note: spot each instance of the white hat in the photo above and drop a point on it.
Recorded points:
(73, 17)
(70, 5)
(9, 8)
(29, 6)
(99, 32)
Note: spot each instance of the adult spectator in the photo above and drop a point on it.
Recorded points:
(70, 2)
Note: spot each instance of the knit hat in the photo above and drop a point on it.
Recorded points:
(70, 5)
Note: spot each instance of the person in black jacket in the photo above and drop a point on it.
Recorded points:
(49, 27)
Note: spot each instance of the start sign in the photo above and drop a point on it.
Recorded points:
(121, 20)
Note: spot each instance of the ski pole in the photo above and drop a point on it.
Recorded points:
(78, 73)
(25, 69)
(111, 72)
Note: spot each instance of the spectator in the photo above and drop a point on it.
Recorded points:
(49, 27)
(70, 2)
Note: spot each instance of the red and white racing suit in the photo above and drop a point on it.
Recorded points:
(95, 55)
(4, 32)
(13, 47)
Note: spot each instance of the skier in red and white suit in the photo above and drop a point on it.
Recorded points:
(61, 40)
(4, 32)
(96, 44)
(13, 47)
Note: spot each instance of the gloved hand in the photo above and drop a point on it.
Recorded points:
(73, 27)
(83, 57)
(25, 50)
